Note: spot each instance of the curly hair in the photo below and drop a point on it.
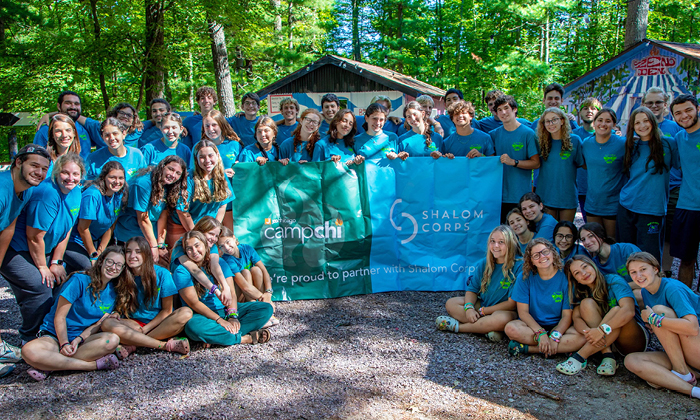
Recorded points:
(656, 144)
(170, 194)
(578, 292)
(126, 302)
(529, 267)
(313, 138)
(201, 190)
(52, 145)
(545, 137)
(226, 130)
(101, 181)
(136, 123)
(149, 279)
(512, 251)
(62, 161)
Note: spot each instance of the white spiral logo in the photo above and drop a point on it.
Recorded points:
(406, 215)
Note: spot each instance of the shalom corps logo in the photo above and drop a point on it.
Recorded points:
(436, 220)
(288, 228)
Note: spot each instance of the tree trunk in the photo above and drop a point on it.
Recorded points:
(154, 77)
(356, 51)
(399, 35)
(276, 5)
(290, 24)
(459, 39)
(96, 30)
(191, 80)
(222, 72)
(637, 21)
(12, 144)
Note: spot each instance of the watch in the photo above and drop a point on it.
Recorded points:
(56, 262)
(605, 328)
(555, 335)
(94, 255)
(515, 165)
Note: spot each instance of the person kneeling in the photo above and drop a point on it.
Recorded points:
(70, 337)
(486, 307)
(542, 296)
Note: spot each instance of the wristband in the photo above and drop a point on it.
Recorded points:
(268, 291)
(515, 165)
(162, 246)
(82, 340)
(217, 320)
(468, 306)
(481, 311)
(65, 344)
(213, 289)
(555, 336)
(538, 334)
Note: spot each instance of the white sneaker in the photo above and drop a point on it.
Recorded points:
(6, 369)
(10, 353)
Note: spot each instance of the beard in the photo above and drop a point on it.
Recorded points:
(692, 124)
(26, 179)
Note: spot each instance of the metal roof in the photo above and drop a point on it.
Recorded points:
(390, 78)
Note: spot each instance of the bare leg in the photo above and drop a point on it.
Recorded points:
(567, 214)
(44, 353)
(172, 325)
(655, 367)
(518, 331)
(610, 226)
(678, 348)
(125, 329)
(592, 316)
(494, 322)
(686, 272)
(228, 220)
(552, 212)
(257, 275)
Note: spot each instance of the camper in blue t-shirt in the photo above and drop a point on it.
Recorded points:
(375, 143)
(564, 237)
(74, 321)
(339, 145)
(169, 144)
(265, 148)
(610, 257)
(300, 146)
(102, 201)
(541, 223)
(125, 113)
(486, 307)
(672, 312)
(420, 141)
(114, 131)
(244, 124)
(465, 141)
(606, 314)
(542, 296)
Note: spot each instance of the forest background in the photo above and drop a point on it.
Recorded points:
(135, 50)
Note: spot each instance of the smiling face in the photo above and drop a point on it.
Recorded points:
(195, 250)
(657, 104)
(375, 122)
(126, 115)
(552, 99)
(328, 110)
(552, 122)
(450, 99)
(497, 247)
(207, 158)
(172, 172)
(590, 242)
(212, 236)
(115, 180)
(113, 265)
(251, 108)
(462, 119)
(541, 256)
(265, 135)
(33, 170)
(686, 114)
(517, 223)
(289, 112)
(531, 210)
(157, 112)
(583, 273)
(310, 123)
(228, 245)
(63, 134)
(70, 106)
(643, 274)
(604, 124)
(564, 239)
(505, 113)
(415, 117)
(206, 104)
(211, 128)
(642, 126)
(69, 177)
(113, 136)
(171, 130)
(345, 125)
(134, 258)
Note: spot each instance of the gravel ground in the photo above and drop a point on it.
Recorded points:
(363, 357)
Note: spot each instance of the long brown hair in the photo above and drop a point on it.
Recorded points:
(201, 190)
(149, 279)
(313, 138)
(545, 137)
(270, 123)
(101, 181)
(656, 144)
(427, 128)
(51, 144)
(125, 287)
(204, 264)
(333, 128)
(170, 194)
(578, 292)
(226, 130)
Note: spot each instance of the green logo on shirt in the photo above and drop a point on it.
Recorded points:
(697, 145)
(610, 158)
(622, 270)
(476, 146)
(74, 211)
(564, 154)
(505, 284)
(105, 308)
(558, 297)
(612, 302)
(432, 147)
(518, 146)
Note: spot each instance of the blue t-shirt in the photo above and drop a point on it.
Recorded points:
(547, 299)
(198, 209)
(617, 261)
(447, 125)
(150, 133)
(85, 310)
(193, 124)
(377, 146)
(252, 152)
(670, 129)
(499, 287)
(556, 183)
(229, 150)
(675, 295)
(644, 189)
(41, 138)
(244, 128)
(576, 249)
(132, 162)
(101, 210)
(248, 258)
(51, 211)
(285, 131)
(520, 144)
(139, 200)
(582, 174)
(183, 279)
(489, 124)
(288, 151)
(324, 150)
(462, 145)
(545, 227)
(605, 179)
(10, 205)
(414, 144)
(164, 287)
(323, 129)
(618, 289)
(93, 129)
(156, 151)
(689, 155)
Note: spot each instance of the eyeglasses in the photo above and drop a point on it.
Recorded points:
(560, 236)
(250, 103)
(111, 263)
(552, 121)
(650, 104)
(544, 253)
(125, 114)
(311, 121)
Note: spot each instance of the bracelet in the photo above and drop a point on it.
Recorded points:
(481, 311)
(655, 319)
(268, 291)
(468, 306)
(65, 344)
(162, 246)
(82, 340)
(555, 336)
(217, 320)
(538, 334)
(213, 289)
(233, 315)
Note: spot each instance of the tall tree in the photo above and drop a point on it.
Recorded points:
(222, 71)
(637, 21)
(98, 45)
(154, 77)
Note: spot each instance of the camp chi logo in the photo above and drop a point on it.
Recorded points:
(565, 154)
(288, 228)
(518, 146)
(610, 158)
(558, 297)
(654, 64)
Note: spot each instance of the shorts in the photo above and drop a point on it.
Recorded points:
(613, 217)
(141, 324)
(647, 340)
(44, 333)
(685, 234)
(671, 210)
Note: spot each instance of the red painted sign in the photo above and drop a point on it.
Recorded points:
(654, 64)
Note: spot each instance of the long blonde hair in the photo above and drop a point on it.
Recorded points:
(545, 137)
(578, 292)
(201, 191)
(512, 251)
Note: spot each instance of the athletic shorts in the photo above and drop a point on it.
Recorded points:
(685, 234)
(613, 217)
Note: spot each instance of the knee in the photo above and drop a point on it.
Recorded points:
(632, 362)
(511, 329)
(183, 315)
(589, 307)
(256, 271)
(30, 352)
(110, 324)
(110, 341)
(663, 309)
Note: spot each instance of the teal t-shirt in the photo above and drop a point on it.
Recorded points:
(545, 227)
(10, 205)
(462, 145)
(248, 257)
(252, 152)
(546, 298)
(294, 154)
(165, 287)
(132, 162)
(556, 184)
(183, 279)
(520, 144)
(244, 128)
(689, 155)
(617, 261)
(605, 179)
(139, 200)
(675, 295)
(499, 288)
(377, 146)
(199, 209)
(414, 144)
(101, 210)
(156, 151)
(325, 149)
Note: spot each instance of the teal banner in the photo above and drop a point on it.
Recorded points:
(327, 230)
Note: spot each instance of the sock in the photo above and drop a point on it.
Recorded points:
(578, 357)
(695, 392)
(610, 355)
(685, 377)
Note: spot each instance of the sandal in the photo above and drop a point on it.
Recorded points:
(260, 336)
(38, 375)
(571, 366)
(607, 367)
(495, 336)
(178, 345)
(123, 351)
(107, 362)
(272, 322)
(515, 348)
(447, 323)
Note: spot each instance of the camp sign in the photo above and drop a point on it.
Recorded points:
(326, 230)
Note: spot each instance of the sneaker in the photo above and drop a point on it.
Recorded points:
(10, 353)
(515, 348)
(495, 336)
(447, 323)
(6, 369)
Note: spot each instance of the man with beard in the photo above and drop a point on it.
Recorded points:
(69, 104)
(28, 170)
(685, 236)
(587, 112)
